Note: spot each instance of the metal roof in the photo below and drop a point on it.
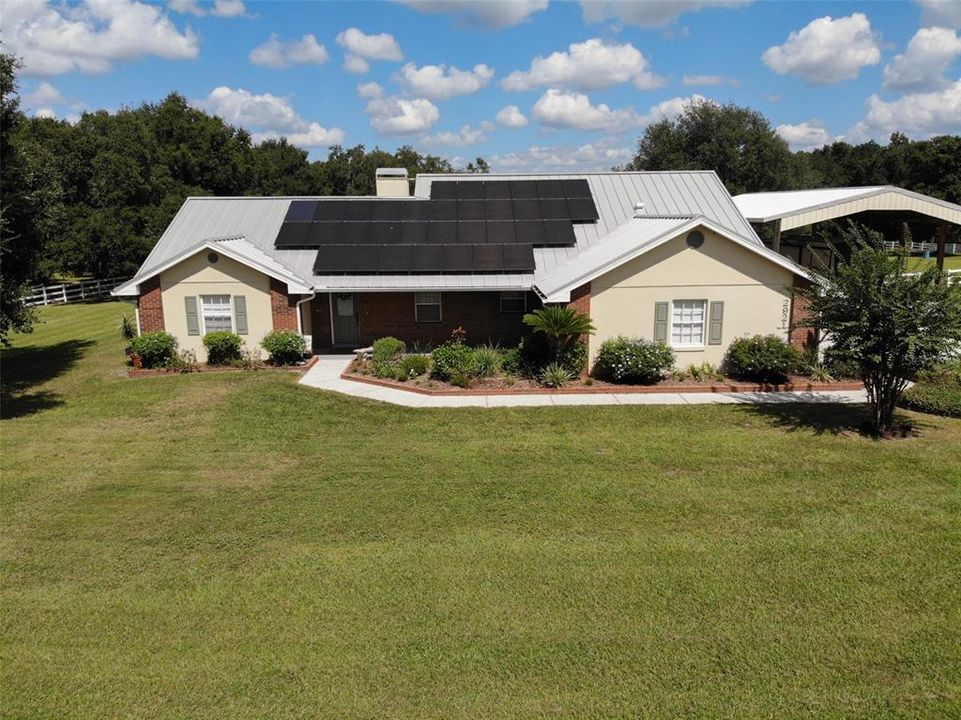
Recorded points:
(632, 240)
(796, 208)
(258, 219)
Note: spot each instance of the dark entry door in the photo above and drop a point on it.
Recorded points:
(344, 311)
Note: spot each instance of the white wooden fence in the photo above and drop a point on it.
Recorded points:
(949, 248)
(954, 276)
(62, 293)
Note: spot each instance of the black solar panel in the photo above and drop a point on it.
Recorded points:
(442, 233)
(443, 190)
(518, 258)
(523, 189)
(323, 233)
(500, 232)
(550, 189)
(470, 209)
(554, 209)
(353, 233)
(346, 258)
(499, 209)
(577, 189)
(293, 235)
(470, 190)
(390, 210)
(497, 189)
(458, 258)
(358, 210)
(414, 233)
(443, 210)
(418, 210)
(471, 233)
(582, 209)
(527, 209)
(558, 232)
(394, 258)
(329, 210)
(488, 258)
(426, 258)
(383, 233)
(300, 211)
(530, 232)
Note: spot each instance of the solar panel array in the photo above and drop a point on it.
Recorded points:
(466, 226)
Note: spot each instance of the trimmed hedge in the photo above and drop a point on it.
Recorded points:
(937, 392)
(223, 347)
(156, 349)
(633, 360)
(285, 347)
(761, 358)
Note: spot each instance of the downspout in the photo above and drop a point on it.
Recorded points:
(300, 322)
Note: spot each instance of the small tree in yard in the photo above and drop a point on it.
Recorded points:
(563, 327)
(890, 324)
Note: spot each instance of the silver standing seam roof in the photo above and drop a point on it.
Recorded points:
(258, 219)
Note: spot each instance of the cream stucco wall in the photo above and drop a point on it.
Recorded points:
(754, 291)
(196, 276)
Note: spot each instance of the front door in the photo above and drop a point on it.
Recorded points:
(344, 311)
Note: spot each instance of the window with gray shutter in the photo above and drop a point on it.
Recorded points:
(661, 311)
(193, 322)
(240, 314)
(715, 328)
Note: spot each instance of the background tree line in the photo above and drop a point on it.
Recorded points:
(91, 198)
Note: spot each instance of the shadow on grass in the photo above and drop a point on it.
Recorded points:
(824, 417)
(25, 368)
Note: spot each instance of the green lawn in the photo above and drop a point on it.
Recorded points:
(917, 263)
(235, 546)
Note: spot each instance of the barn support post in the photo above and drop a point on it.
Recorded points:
(776, 243)
(942, 239)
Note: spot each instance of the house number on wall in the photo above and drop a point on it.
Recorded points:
(785, 314)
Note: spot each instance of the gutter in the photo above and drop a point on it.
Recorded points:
(300, 322)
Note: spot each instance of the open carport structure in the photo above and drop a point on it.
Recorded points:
(886, 207)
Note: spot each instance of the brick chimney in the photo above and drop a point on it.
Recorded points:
(392, 182)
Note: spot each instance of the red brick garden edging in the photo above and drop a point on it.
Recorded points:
(157, 372)
(733, 387)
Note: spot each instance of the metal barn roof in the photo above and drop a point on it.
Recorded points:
(796, 208)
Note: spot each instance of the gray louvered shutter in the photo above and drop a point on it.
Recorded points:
(715, 329)
(193, 322)
(240, 314)
(661, 311)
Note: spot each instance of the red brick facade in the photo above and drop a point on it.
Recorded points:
(283, 308)
(581, 299)
(383, 314)
(151, 306)
(799, 336)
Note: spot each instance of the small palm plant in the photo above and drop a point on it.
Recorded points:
(562, 325)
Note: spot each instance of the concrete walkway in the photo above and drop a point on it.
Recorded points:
(325, 375)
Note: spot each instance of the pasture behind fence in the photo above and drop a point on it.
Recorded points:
(64, 293)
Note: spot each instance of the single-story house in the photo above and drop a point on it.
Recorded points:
(663, 255)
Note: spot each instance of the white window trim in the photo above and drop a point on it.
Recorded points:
(704, 327)
(523, 299)
(439, 304)
(203, 315)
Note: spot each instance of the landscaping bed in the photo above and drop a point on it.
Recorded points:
(204, 368)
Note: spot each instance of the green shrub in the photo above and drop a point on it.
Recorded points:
(285, 347)
(386, 357)
(937, 392)
(761, 358)
(412, 366)
(511, 361)
(555, 375)
(840, 365)
(453, 360)
(223, 347)
(633, 360)
(155, 348)
(184, 361)
(574, 357)
(488, 359)
(701, 373)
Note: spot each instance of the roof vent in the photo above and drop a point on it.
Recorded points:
(638, 209)
(392, 182)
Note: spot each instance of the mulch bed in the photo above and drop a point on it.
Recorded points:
(154, 372)
(525, 386)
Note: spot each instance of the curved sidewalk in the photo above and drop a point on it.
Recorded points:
(325, 375)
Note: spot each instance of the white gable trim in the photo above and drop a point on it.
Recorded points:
(236, 248)
(557, 286)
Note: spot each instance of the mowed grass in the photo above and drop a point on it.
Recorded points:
(235, 546)
(918, 263)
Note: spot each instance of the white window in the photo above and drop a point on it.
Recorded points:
(216, 313)
(687, 323)
(513, 302)
(427, 307)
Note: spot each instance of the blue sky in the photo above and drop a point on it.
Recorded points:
(528, 85)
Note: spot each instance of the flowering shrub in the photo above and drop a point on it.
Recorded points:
(633, 360)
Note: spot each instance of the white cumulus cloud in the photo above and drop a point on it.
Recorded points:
(511, 117)
(220, 8)
(915, 114)
(402, 116)
(91, 36)
(590, 65)
(360, 48)
(940, 13)
(562, 109)
(804, 136)
(826, 51)
(267, 116)
(921, 66)
(649, 13)
(597, 156)
(370, 90)
(485, 13)
(44, 94)
(279, 54)
(439, 82)
(466, 135)
(694, 80)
